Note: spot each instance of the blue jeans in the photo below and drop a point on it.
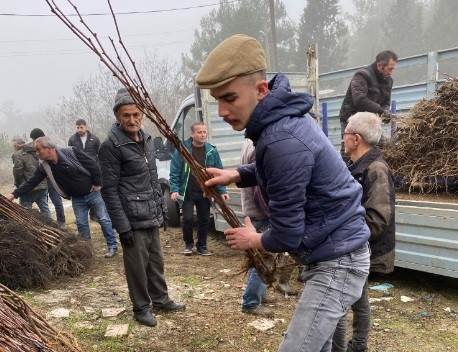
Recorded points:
(254, 291)
(93, 201)
(56, 199)
(255, 287)
(39, 197)
(203, 218)
(331, 287)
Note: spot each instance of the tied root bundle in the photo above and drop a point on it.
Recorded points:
(424, 150)
(21, 329)
(34, 251)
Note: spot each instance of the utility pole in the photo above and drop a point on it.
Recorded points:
(274, 36)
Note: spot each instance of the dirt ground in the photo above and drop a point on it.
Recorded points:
(213, 321)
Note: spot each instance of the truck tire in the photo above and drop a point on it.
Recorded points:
(173, 209)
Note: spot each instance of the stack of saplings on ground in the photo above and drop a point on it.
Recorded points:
(21, 329)
(424, 151)
(34, 251)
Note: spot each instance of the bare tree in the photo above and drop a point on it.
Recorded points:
(93, 98)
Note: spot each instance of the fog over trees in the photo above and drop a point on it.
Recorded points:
(408, 27)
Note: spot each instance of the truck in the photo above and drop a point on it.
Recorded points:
(426, 232)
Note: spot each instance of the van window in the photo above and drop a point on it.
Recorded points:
(183, 125)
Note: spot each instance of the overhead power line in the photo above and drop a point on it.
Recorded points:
(101, 37)
(117, 13)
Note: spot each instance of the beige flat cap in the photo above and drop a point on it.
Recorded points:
(236, 56)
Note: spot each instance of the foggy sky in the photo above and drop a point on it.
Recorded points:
(41, 60)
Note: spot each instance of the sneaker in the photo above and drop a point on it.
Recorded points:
(170, 307)
(111, 252)
(146, 318)
(203, 251)
(188, 250)
(259, 311)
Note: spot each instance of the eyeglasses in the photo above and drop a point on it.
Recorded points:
(345, 133)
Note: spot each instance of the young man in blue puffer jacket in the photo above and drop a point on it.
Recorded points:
(314, 203)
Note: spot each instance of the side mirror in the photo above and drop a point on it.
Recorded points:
(162, 152)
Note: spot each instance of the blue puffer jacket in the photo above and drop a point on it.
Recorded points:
(180, 171)
(314, 202)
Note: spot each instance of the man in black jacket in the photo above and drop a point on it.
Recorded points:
(370, 90)
(85, 140)
(135, 202)
(55, 197)
(74, 175)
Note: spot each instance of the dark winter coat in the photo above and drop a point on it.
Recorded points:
(373, 173)
(72, 181)
(368, 91)
(314, 203)
(91, 147)
(131, 189)
(25, 162)
(180, 170)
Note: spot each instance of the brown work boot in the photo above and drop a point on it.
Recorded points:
(259, 310)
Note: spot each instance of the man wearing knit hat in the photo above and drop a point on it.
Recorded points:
(314, 203)
(135, 202)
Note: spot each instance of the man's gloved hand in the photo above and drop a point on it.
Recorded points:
(127, 239)
(165, 224)
(387, 116)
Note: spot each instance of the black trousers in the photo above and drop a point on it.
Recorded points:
(191, 199)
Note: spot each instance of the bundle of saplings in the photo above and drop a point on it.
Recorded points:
(424, 151)
(21, 329)
(34, 250)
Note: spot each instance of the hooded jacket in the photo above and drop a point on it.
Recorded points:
(369, 91)
(180, 170)
(130, 186)
(314, 203)
(373, 173)
(25, 162)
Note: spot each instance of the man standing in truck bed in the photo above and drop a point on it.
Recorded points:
(370, 90)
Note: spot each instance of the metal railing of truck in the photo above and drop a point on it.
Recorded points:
(433, 66)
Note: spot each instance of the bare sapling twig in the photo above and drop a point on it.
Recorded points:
(265, 262)
(22, 329)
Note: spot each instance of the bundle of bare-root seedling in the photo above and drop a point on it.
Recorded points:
(34, 251)
(123, 67)
(23, 330)
(424, 150)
